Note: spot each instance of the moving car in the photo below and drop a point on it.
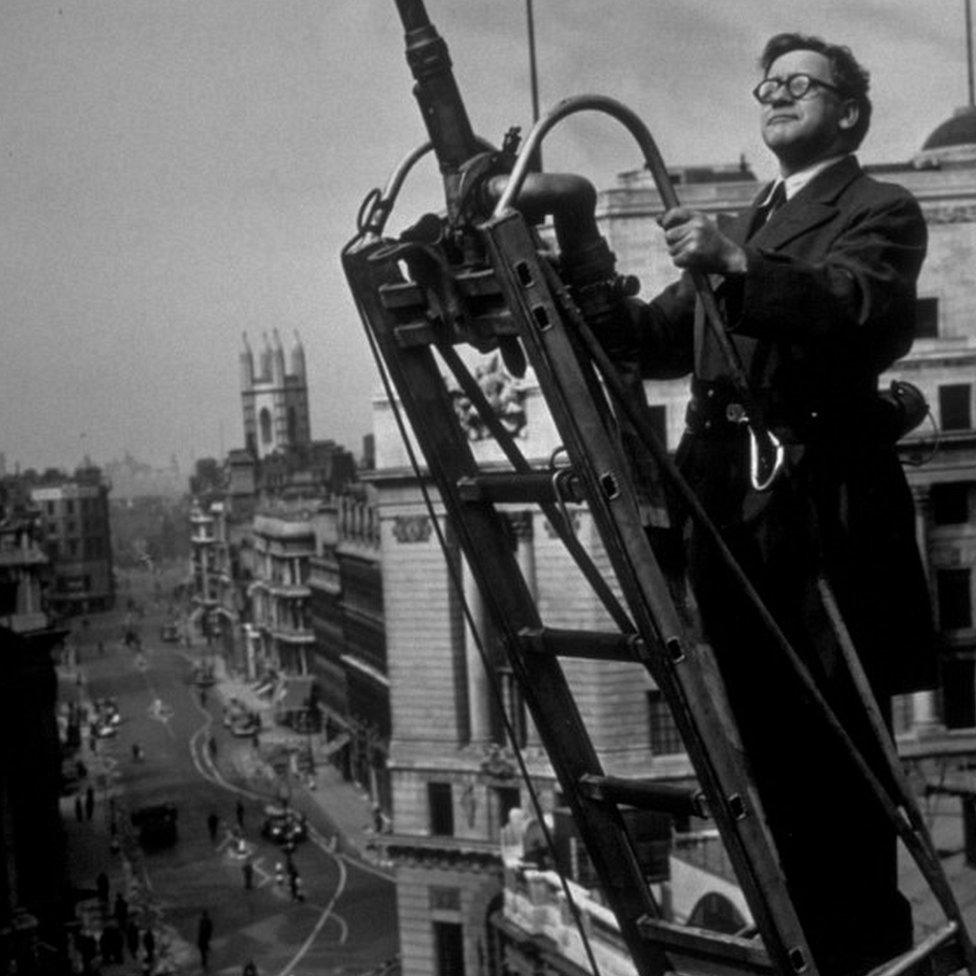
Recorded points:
(284, 826)
(244, 726)
(169, 633)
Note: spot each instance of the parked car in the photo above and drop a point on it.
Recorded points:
(169, 633)
(284, 826)
(234, 711)
(203, 675)
(156, 824)
(107, 712)
(244, 726)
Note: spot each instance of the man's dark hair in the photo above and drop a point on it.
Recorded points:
(852, 80)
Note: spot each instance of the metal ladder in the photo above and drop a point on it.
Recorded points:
(520, 295)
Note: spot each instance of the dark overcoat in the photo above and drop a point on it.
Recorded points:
(826, 304)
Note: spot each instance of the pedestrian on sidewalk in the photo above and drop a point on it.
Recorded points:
(101, 887)
(213, 822)
(89, 803)
(212, 747)
(239, 810)
(121, 910)
(149, 944)
(248, 870)
(297, 894)
(132, 937)
(204, 935)
(136, 752)
(79, 811)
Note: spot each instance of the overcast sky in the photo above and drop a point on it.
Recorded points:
(175, 172)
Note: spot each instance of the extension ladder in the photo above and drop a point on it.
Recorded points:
(520, 295)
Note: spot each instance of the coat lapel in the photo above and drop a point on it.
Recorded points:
(814, 205)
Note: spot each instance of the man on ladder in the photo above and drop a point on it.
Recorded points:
(818, 288)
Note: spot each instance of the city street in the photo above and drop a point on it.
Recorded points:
(346, 922)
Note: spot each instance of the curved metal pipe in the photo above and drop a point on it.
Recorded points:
(383, 204)
(375, 221)
(571, 199)
(669, 197)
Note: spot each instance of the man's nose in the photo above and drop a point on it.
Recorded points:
(782, 96)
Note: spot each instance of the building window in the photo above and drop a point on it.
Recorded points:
(448, 949)
(265, 420)
(927, 318)
(664, 737)
(959, 693)
(444, 899)
(440, 803)
(955, 599)
(508, 798)
(950, 503)
(955, 410)
(659, 422)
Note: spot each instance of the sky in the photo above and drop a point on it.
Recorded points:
(177, 172)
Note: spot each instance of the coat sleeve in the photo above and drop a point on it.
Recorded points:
(664, 332)
(861, 291)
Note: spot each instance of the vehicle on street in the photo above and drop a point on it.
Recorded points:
(283, 825)
(234, 711)
(169, 633)
(203, 675)
(107, 710)
(245, 725)
(156, 824)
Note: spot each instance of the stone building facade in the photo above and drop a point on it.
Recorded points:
(75, 514)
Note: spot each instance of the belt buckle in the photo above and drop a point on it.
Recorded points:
(735, 413)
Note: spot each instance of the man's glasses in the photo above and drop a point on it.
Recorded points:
(798, 86)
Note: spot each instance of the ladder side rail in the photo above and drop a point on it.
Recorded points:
(483, 538)
(684, 672)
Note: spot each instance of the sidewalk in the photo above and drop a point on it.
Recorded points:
(343, 804)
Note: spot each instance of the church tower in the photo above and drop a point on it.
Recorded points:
(275, 399)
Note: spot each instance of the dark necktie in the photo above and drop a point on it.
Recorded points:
(776, 200)
(765, 212)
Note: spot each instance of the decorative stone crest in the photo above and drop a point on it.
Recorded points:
(411, 528)
(497, 765)
(504, 394)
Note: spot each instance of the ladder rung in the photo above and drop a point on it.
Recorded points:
(937, 951)
(647, 794)
(700, 945)
(537, 487)
(591, 644)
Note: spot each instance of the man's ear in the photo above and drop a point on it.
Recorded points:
(850, 115)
